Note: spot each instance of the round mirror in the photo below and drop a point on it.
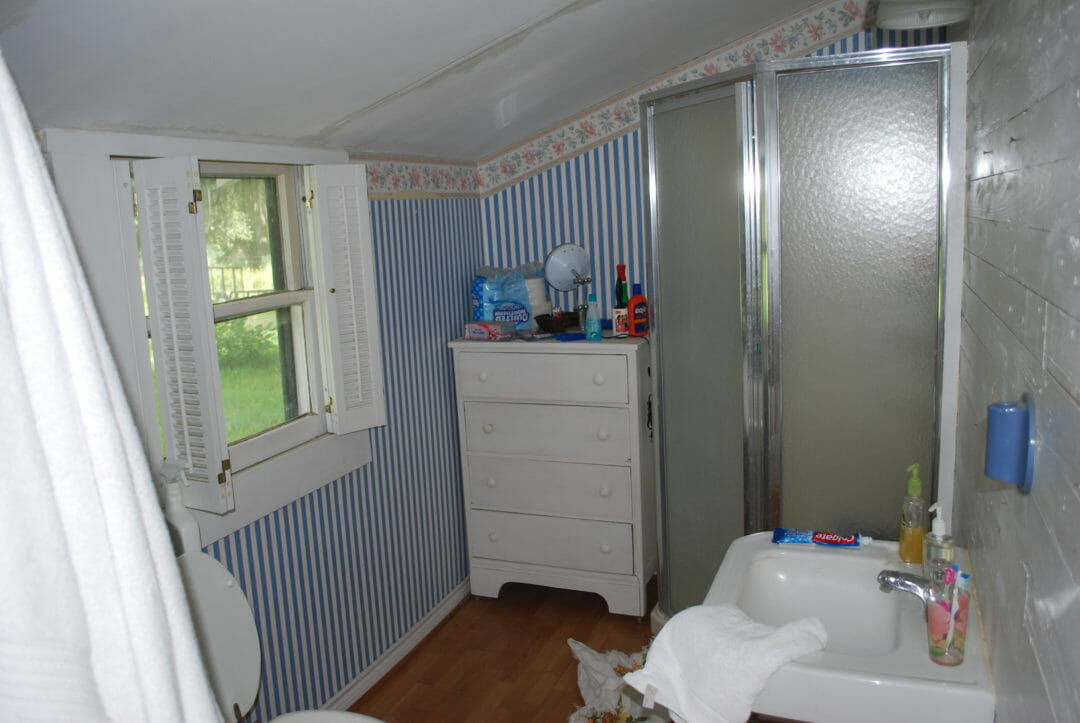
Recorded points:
(567, 267)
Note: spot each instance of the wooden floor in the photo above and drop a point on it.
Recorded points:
(504, 659)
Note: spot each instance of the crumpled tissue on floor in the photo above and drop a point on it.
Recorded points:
(602, 686)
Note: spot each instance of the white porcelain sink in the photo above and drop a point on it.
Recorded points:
(875, 665)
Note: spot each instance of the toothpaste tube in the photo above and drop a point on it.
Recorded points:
(490, 331)
(812, 537)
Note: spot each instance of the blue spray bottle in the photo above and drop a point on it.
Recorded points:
(592, 320)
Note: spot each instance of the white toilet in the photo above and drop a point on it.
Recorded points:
(229, 641)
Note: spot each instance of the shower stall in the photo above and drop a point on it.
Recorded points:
(805, 222)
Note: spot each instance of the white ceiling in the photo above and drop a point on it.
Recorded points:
(452, 79)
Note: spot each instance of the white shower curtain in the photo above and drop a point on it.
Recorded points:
(93, 620)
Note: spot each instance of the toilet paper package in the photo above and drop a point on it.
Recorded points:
(502, 295)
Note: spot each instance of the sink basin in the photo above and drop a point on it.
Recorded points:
(875, 665)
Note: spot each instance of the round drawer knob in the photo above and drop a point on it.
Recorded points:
(483, 376)
(488, 428)
(605, 491)
(603, 435)
(599, 380)
(605, 548)
(491, 482)
(493, 536)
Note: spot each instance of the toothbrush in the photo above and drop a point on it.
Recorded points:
(951, 574)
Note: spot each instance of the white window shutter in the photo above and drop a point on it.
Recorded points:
(182, 328)
(348, 309)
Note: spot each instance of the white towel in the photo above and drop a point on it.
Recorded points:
(709, 662)
(94, 624)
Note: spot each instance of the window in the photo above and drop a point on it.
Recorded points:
(263, 308)
(262, 311)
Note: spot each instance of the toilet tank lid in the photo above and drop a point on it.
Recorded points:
(226, 631)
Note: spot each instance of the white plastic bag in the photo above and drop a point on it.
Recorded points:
(602, 686)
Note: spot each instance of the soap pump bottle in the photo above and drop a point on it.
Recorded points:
(938, 551)
(592, 321)
(912, 519)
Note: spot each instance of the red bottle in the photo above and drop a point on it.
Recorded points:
(620, 319)
(622, 298)
(638, 313)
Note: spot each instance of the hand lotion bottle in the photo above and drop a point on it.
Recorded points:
(938, 550)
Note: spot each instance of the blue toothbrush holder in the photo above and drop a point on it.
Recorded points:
(1011, 442)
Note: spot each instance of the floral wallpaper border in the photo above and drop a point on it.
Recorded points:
(401, 176)
(803, 34)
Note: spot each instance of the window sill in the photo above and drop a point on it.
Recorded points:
(262, 488)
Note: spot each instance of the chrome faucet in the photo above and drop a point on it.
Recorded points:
(890, 580)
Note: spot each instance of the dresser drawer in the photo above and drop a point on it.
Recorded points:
(556, 488)
(594, 434)
(542, 377)
(555, 541)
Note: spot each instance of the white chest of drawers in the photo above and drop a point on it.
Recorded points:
(558, 469)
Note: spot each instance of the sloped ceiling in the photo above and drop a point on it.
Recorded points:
(450, 79)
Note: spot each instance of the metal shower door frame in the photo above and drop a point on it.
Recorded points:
(766, 123)
(756, 93)
(740, 84)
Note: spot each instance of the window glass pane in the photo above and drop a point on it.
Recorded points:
(243, 237)
(257, 357)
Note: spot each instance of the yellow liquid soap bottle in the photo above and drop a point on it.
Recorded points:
(913, 519)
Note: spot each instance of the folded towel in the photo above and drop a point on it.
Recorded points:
(709, 662)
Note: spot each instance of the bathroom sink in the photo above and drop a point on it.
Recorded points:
(875, 665)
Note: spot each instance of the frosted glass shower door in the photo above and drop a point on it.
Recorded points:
(859, 173)
(699, 339)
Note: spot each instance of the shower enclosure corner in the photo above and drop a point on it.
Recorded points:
(798, 214)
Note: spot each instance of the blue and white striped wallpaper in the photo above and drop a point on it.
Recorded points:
(878, 38)
(592, 200)
(339, 576)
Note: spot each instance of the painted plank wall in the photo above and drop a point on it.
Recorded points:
(1021, 332)
(339, 576)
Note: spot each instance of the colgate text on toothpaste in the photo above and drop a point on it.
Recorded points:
(783, 535)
